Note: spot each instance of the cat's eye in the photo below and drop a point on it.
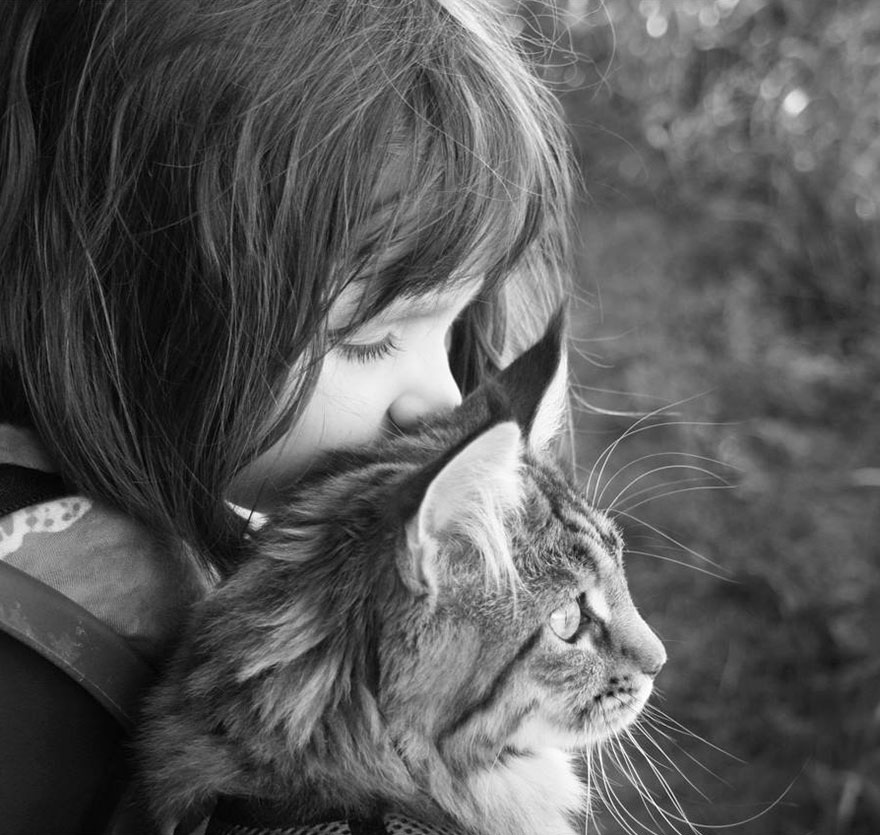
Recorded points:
(566, 620)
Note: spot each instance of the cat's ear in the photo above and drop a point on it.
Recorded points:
(469, 495)
(536, 386)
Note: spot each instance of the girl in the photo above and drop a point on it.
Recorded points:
(234, 234)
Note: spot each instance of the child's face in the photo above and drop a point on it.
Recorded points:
(393, 371)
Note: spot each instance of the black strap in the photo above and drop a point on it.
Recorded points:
(22, 486)
(259, 816)
(373, 826)
(74, 640)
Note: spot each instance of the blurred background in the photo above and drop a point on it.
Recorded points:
(727, 335)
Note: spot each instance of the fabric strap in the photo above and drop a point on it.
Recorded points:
(247, 815)
(387, 824)
(57, 628)
(74, 640)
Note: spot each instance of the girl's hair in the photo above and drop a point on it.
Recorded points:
(188, 185)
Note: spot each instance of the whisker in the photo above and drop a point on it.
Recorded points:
(655, 488)
(624, 494)
(756, 816)
(663, 718)
(633, 429)
(608, 794)
(671, 539)
(674, 454)
(681, 816)
(584, 405)
(593, 358)
(588, 760)
(581, 401)
(617, 754)
(653, 471)
(682, 563)
(677, 492)
(667, 789)
(643, 730)
(617, 808)
(656, 728)
(625, 765)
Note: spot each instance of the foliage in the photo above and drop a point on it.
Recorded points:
(730, 258)
(760, 118)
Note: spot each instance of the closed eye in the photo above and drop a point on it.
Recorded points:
(369, 351)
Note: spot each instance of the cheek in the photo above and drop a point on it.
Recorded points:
(348, 407)
(257, 484)
(344, 410)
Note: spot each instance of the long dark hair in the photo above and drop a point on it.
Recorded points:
(186, 187)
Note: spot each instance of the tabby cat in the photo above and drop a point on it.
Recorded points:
(434, 625)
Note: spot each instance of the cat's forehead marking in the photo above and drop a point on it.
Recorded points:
(576, 516)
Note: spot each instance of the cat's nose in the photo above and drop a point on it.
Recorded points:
(655, 668)
(431, 391)
(652, 657)
(641, 645)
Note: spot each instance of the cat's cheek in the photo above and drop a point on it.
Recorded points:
(586, 643)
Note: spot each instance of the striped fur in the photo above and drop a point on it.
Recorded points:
(390, 639)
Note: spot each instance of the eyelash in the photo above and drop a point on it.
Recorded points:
(370, 352)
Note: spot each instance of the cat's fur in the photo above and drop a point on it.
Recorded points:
(392, 639)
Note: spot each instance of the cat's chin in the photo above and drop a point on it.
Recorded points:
(537, 734)
(540, 735)
(608, 716)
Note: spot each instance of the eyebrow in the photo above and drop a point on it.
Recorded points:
(404, 306)
(415, 305)
(427, 304)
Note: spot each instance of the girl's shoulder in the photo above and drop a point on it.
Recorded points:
(96, 556)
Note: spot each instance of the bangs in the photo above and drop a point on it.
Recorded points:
(474, 180)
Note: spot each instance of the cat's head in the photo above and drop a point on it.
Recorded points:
(522, 631)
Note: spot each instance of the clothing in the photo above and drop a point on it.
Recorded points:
(95, 555)
(390, 825)
(251, 816)
(89, 601)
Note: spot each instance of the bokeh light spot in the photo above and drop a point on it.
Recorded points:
(795, 102)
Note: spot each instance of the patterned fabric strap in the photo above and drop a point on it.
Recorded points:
(56, 627)
(390, 824)
(232, 818)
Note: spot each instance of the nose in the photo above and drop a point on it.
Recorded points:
(651, 655)
(428, 389)
(640, 644)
